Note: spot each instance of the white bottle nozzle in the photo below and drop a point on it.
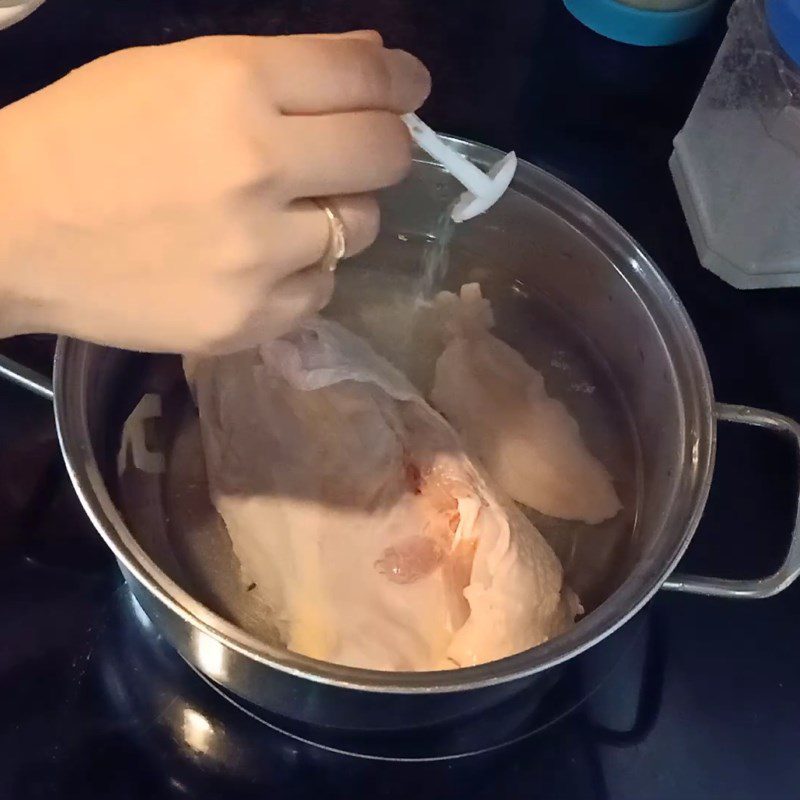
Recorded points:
(483, 189)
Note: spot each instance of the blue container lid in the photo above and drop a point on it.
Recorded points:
(783, 17)
(641, 26)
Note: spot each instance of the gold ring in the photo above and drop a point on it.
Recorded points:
(337, 242)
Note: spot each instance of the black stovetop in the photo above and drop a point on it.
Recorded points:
(694, 698)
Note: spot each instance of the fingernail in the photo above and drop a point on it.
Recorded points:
(366, 35)
(413, 79)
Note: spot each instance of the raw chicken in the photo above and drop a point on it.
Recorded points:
(526, 440)
(352, 506)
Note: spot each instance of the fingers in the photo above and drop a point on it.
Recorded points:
(300, 293)
(343, 153)
(298, 297)
(360, 215)
(345, 73)
(302, 235)
(292, 300)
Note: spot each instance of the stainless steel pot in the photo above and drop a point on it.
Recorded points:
(543, 241)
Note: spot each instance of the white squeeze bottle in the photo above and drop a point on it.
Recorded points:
(736, 163)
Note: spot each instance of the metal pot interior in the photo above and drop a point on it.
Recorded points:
(569, 289)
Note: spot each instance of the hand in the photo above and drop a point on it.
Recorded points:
(159, 198)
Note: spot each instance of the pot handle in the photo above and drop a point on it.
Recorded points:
(770, 585)
(26, 377)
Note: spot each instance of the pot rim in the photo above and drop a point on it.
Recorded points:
(641, 584)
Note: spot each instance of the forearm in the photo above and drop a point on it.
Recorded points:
(21, 311)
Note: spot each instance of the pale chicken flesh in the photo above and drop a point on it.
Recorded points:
(351, 504)
(528, 442)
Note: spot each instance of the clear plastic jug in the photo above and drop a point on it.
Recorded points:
(736, 163)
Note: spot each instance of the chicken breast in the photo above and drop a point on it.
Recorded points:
(352, 505)
(528, 442)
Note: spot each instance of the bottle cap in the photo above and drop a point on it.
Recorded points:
(783, 17)
(641, 26)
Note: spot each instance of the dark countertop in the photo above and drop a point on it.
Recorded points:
(722, 718)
